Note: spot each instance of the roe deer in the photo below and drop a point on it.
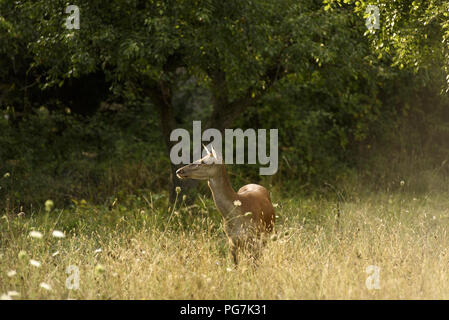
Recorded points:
(248, 214)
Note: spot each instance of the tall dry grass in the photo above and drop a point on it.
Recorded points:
(322, 252)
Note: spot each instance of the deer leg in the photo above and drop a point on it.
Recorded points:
(234, 246)
(234, 252)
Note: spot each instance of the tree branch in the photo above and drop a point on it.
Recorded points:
(224, 113)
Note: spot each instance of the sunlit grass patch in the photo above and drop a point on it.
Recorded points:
(322, 250)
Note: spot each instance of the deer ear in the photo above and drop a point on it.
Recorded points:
(208, 152)
(213, 152)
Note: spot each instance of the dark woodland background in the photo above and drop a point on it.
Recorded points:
(86, 114)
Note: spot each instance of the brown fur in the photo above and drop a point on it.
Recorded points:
(245, 224)
(256, 199)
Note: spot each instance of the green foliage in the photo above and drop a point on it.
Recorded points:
(80, 108)
(328, 107)
(412, 34)
(66, 156)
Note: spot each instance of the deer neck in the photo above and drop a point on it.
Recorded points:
(223, 194)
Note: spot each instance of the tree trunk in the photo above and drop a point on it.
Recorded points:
(161, 97)
(223, 115)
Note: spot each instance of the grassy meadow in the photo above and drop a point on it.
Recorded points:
(145, 249)
(100, 100)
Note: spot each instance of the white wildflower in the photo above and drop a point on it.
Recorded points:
(11, 273)
(58, 234)
(13, 293)
(35, 263)
(45, 286)
(35, 234)
(98, 250)
(237, 203)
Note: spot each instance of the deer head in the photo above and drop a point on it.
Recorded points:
(202, 169)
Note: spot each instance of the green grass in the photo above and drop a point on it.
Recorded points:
(152, 251)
